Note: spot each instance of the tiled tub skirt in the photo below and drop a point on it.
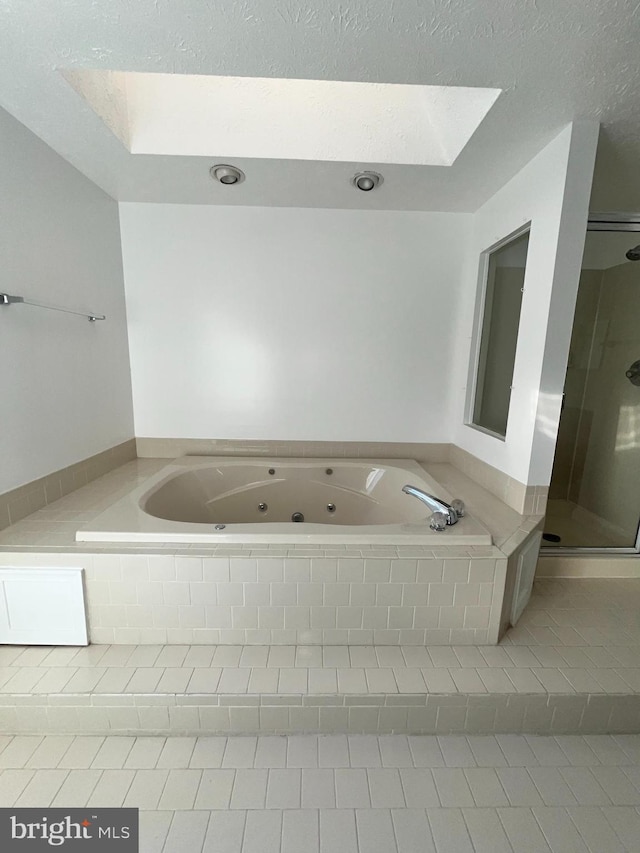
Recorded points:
(421, 598)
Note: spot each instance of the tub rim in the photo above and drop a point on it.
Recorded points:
(127, 521)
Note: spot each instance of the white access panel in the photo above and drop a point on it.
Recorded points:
(526, 571)
(42, 607)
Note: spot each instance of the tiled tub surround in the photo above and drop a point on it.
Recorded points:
(527, 500)
(25, 500)
(53, 527)
(220, 500)
(152, 598)
(572, 665)
(297, 594)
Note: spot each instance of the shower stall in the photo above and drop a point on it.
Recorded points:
(594, 498)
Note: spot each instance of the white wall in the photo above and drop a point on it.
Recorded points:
(296, 324)
(65, 386)
(551, 192)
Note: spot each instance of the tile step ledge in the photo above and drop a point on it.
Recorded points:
(269, 713)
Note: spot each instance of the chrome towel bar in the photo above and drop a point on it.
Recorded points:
(6, 299)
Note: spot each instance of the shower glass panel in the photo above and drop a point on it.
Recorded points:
(594, 498)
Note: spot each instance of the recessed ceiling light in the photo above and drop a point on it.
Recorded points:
(366, 181)
(228, 175)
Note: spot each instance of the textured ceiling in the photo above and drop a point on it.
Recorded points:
(556, 60)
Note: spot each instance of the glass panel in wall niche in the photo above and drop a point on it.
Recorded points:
(501, 286)
(594, 499)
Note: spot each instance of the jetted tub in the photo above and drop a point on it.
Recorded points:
(204, 499)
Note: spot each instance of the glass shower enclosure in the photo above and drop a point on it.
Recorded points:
(594, 497)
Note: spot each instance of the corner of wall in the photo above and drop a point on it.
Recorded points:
(551, 192)
(566, 279)
(63, 245)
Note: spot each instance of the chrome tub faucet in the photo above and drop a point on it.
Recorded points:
(443, 514)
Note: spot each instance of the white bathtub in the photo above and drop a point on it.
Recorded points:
(233, 500)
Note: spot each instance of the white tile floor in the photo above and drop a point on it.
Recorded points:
(575, 636)
(572, 664)
(354, 793)
(344, 794)
(313, 671)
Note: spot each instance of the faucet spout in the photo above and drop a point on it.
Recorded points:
(435, 504)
